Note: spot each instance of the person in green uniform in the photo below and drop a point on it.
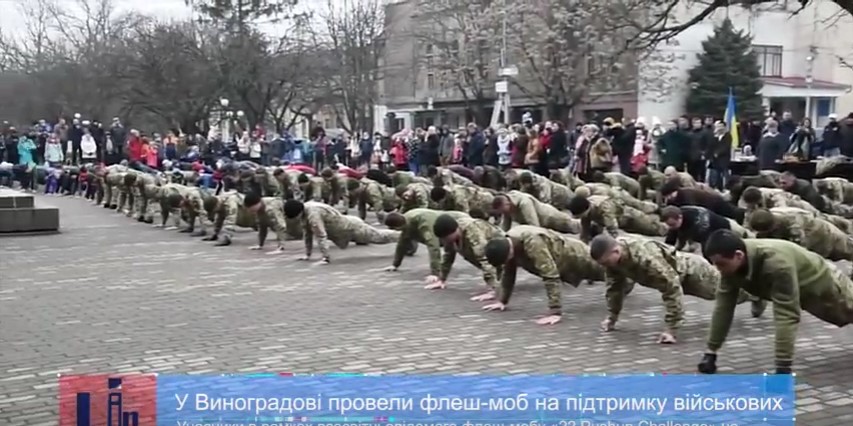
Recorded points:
(415, 227)
(790, 276)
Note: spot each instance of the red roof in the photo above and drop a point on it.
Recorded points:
(800, 83)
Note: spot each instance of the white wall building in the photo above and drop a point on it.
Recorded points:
(799, 56)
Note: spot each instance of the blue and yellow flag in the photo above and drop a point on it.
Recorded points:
(731, 120)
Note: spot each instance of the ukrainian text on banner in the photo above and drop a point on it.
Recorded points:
(646, 400)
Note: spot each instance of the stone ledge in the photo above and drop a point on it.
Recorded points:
(11, 199)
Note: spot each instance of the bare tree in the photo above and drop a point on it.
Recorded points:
(168, 72)
(351, 44)
(570, 51)
(661, 24)
(458, 46)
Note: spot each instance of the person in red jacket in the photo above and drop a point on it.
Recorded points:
(134, 146)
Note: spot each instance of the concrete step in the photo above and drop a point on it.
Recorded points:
(11, 199)
(20, 214)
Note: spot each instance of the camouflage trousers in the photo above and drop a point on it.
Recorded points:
(646, 207)
(635, 221)
(840, 247)
(739, 230)
(562, 222)
(148, 202)
(844, 224)
(362, 233)
(125, 197)
(700, 278)
(842, 210)
(834, 306)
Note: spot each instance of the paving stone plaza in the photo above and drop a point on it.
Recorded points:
(111, 295)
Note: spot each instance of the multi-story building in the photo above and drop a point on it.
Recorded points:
(805, 58)
(413, 92)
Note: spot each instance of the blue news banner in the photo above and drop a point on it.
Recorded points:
(338, 400)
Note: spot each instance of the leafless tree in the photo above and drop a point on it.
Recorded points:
(459, 49)
(350, 42)
(659, 23)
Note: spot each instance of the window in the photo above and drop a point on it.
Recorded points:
(769, 60)
(429, 49)
(430, 81)
(591, 64)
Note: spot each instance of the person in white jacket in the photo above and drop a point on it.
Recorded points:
(54, 155)
(88, 147)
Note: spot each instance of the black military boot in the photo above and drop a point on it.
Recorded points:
(199, 233)
(758, 307)
(225, 241)
(187, 230)
(212, 237)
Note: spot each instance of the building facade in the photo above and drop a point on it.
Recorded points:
(412, 92)
(802, 59)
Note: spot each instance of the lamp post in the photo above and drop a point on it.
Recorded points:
(225, 123)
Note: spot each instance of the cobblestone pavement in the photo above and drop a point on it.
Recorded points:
(112, 295)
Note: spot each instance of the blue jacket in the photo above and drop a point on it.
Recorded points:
(26, 146)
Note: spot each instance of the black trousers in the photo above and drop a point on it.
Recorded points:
(697, 170)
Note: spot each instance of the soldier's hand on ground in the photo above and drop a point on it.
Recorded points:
(498, 306)
(708, 365)
(213, 237)
(436, 285)
(489, 295)
(389, 269)
(171, 228)
(323, 261)
(158, 225)
(608, 325)
(304, 258)
(278, 250)
(549, 320)
(255, 248)
(666, 338)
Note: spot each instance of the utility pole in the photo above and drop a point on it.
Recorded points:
(505, 71)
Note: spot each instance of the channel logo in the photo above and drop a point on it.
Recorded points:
(108, 400)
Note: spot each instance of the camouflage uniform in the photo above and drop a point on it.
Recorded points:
(610, 214)
(808, 230)
(270, 186)
(836, 189)
(165, 209)
(147, 192)
(625, 182)
(110, 181)
(375, 195)
(419, 199)
(567, 178)
(125, 193)
(187, 177)
(475, 234)
(464, 198)
(195, 201)
(627, 199)
(328, 224)
(655, 265)
(527, 210)
(418, 229)
(406, 178)
(774, 197)
(230, 213)
(795, 280)
(335, 191)
(313, 190)
(272, 216)
(650, 183)
(448, 177)
(551, 256)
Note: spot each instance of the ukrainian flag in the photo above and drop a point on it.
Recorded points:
(731, 120)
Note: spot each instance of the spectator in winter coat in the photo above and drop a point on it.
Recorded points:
(88, 146)
(476, 146)
(847, 135)
(54, 151)
(503, 144)
(445, 145)
(832, 137)
(802, 140)
(558, 147)
(787, 126)
(26, 151)
(519, 147)
(720, 156)
(772, 147)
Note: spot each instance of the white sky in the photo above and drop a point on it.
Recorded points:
(12, 21)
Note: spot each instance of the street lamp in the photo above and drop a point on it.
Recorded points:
(226, 123)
